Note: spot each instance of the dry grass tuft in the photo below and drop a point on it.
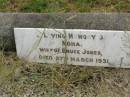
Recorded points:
(22, 79)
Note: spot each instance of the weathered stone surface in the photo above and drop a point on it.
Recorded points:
(105, 48)
(96, 21)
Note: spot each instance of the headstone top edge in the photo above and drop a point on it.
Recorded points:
(16, 28)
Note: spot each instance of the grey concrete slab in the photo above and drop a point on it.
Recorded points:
(95, 21)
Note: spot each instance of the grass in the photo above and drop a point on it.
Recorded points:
(64, 6)
(22, 79)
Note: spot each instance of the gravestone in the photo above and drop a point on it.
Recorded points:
(107, 48)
